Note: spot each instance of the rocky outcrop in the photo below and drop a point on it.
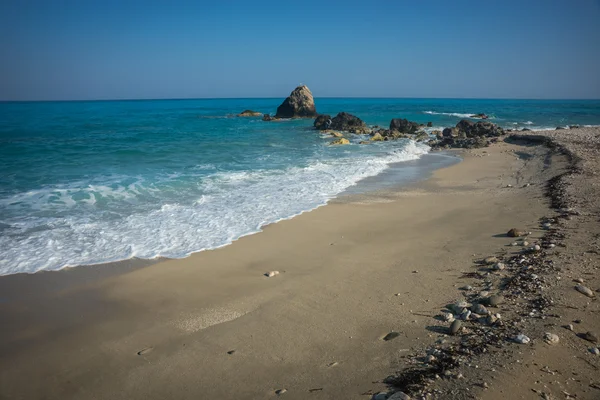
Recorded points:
(468, 135)
(249, 113)
(350, 123)
(481, 128)
(322, 122)
(268, 117)
(404, 126)
(340, 141)
(299, 104)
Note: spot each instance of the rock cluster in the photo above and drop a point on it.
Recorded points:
(468, 135)
(349, 123)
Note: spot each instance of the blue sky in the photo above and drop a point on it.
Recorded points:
(83, 49)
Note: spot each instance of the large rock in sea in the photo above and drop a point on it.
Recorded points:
(299, 104)
(322, 122)
(348, 122)
(403, 126)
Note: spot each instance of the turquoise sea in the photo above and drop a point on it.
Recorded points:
(99, 181)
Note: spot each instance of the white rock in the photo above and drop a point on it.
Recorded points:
(430, 358)
(271, 274)
(525, 243)
(584, 290)
(514, 244)
(536, 247)
(465, 315)
(547, 225)
(578, 280)
(594, 350)
(551, 246)
(279, 392)
(448, 317)
(521, 339)
(467, 287)
(551, 338)
(499, 266)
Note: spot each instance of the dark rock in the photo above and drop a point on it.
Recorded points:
(480, 128)
(322, 122)
(573, 126)
(480, 115)
(429, 124)
(525, 130)
(455, 327)
(267, 117)
(348, 122)
(403, 125)
(249, 113)
(514, 232)
(450, 132)
(299, 104)
(589, 336)
(494, 300)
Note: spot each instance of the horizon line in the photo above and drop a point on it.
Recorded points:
(316, 98)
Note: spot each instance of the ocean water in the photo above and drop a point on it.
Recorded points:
(92, 182)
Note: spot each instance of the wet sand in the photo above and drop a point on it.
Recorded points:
(213, 326)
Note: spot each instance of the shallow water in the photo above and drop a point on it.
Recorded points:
(94, 182)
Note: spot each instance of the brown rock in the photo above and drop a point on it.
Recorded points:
(299, 104)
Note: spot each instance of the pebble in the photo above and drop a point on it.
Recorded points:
(491, 320)
(430, 358)
(594, 350)
(468, 287)
(379, 396)
(491, 260)
(547, 225)
(551, 246)
(589, 336)
(231, 352)
(521, 339)
(271, 274)
(279, 392)
(514, 232)
(390, 336)
(448, 317)
(459, 306)
(494, 300)
(578, 280)
(480, 309)
(584, 290)
(525, 243)
(145, 351)
(455, 327)
(569, 327)
(333, 364)
(399, 396)
(484, 293)
(536, 248)
(465, 315)
(499, 266)
(551, 338)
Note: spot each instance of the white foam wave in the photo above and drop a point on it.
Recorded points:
(459, 115)
(232, 205)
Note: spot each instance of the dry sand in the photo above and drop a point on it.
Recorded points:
(350, 273)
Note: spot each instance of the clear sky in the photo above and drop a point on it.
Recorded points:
(106, 49)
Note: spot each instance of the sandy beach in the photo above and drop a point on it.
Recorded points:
(214, 326)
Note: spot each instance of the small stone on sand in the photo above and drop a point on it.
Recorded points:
(589, 336)
(491, 260)
(390, 336)
(521, 339)
(455, 327)
(279, 392)
(271, 274)
(231, 352)
(494, 300)
(399, 396)
(584, 290)
(499, 266)
(551, 338)
(594, 350)
(145, 351)
(514, 232)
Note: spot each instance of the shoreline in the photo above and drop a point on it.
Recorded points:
(314, 329)
(394, 177)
